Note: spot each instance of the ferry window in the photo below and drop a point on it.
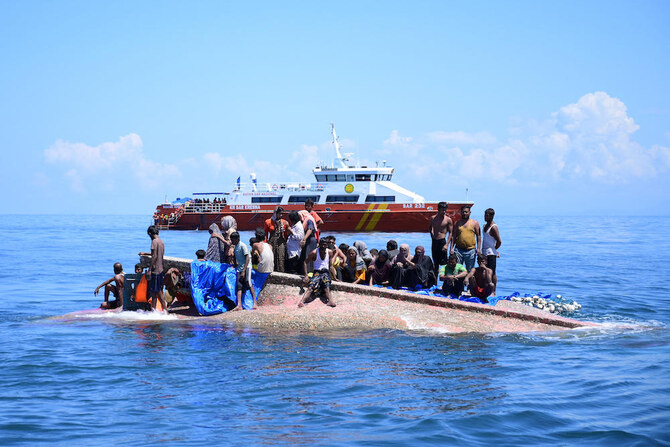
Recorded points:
(301, 199)
(373, 198)
(320, 178)
(362, 177)
(330, 178)
(266, 199)
(345, 199)
(341, 178)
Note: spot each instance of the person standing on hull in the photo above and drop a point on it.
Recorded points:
(309, 207)
(440, 233)
(467, 239)
(276, 234)
(322, 258)
(156, 279)
(491, 242)
(293, 248)
(243, 269)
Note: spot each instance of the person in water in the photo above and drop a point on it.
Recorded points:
(322, 258)
(454, 277)
(480, 280)
(440, 235)
(467, 239)
(491, 242)
(243, 270)
(156, 279)
(115, 289)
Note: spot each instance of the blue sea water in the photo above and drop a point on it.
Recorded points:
(124, 382)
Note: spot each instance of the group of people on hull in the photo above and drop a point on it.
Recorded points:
(295, 246)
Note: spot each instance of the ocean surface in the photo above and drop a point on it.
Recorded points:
(120, 381)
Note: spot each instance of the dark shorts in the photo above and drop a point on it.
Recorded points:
(242, 282)
(491, 261)
(156, 283)
(293, 265)
(439, 255)
(320, 281)
(455, 289)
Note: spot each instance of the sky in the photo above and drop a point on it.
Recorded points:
(534, 108)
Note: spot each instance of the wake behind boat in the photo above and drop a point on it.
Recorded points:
(347, 196)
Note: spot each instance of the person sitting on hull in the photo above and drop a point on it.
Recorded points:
(322, 258)
(453, 277)
(480, 280)
(420, 271)
(115, 289)
(354, 269)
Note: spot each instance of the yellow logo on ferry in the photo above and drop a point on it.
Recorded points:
(349, 188)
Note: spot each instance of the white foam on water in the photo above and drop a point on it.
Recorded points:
(138, 315)
(415, 325)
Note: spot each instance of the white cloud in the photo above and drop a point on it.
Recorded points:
(109, 164)
(590, 139)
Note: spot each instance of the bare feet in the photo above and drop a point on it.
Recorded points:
(236, 308)
(301, 304)
(330, 303)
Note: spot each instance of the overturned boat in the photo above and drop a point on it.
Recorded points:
(358, 308)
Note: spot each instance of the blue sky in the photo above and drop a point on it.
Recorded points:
(535, 107)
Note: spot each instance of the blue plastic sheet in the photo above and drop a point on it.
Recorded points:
(436, 291)
(213, 287)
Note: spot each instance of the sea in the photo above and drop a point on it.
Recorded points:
(130, 381)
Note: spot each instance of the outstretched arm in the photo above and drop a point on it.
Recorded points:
(97, 289)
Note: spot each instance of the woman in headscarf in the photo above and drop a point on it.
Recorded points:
(401, 264)
(420, 272)
(216, 249)
(354, 268)
(379, 271)
(276, 234)
(229, 226)
(363, 252)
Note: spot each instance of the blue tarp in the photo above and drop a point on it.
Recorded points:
(437, 292)
(213, 287)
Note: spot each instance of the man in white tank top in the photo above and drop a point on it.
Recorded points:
(491, 243)
(322, 258)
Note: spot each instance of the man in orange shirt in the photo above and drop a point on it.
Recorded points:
(309, 206)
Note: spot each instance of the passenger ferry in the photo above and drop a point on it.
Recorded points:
(347, 197)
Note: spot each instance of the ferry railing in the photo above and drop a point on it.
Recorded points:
(204, 207)
(277, 187)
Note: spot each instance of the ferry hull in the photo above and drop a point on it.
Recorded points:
(382, 217)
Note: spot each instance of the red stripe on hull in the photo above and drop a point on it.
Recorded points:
(381, 217)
